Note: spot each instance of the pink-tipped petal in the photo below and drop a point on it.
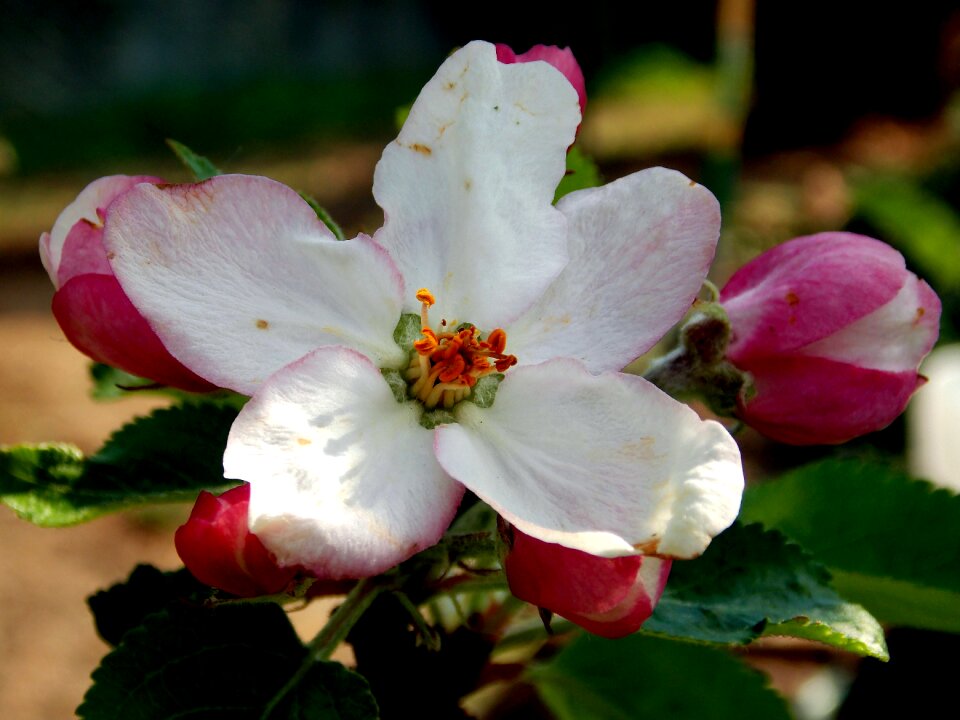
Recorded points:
(239, 277)
(99, 320)
(343, 478)
(639, 249)
(467, 187)
(560, 58)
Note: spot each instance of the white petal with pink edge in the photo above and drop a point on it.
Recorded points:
(343, 478)
(238, 278)
(96, 196)
(639, 250)
(893, 338)
(606, 464)
(467, 187)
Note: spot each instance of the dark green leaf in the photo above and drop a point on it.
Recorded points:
(647, 677)
(201, 168)
(582, 172)
(324, 216)
(328, 690)
(224, 662)
(752, 582)
(890, 542)
(167, 456)
(126, 605)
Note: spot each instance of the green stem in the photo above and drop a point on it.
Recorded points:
(332, 634)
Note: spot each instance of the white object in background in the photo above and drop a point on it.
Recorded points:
(933, 419)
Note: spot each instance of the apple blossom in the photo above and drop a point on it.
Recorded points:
(91, 308)
(372, 363)
(218, 548)
(832, 328)
(611, 597)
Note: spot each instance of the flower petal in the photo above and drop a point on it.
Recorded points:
(98, 319)
(806, 289)
(639, 249)
(343, 478)
(813, 401)
(467, 187)
(912, 317)
(561, 58)
(95, 197)
(238, 277)
(605, 464)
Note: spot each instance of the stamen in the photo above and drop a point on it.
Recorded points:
(426, 297)
(446, 366)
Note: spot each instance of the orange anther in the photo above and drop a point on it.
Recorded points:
(497, 340)
(508, 361)
(453, 368)
(426, 297)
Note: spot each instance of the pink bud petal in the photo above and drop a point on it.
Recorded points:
(611, 597)
(832, 328)
(218, 548)
(90, 306)
(562, 59)
(101, 322)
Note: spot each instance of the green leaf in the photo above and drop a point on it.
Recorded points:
(751, 582)
(109, 383)
(167, 456)
(223, 662)
(582, 172)
(125, 605)
(324, 216)
(647, 677)
(890, 541)
(201, 168)
(918, 222)
(329, 690)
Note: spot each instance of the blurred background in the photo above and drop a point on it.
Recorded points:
(800, 117)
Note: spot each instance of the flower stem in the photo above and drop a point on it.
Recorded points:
(332, 634)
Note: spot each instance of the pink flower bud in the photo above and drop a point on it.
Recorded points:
(218, 548)
(89, 304)
(610, 597)
(562, 60)
(832, 328)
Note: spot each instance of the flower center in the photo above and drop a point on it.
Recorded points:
(445, 365)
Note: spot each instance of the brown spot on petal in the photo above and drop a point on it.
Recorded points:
(648, 548)
(263, 324)
(449, 85)
(420, 148)
(920, 313)
(304, 441)
(791, 299)
(111, 256)
(693, 183)
(467, 184)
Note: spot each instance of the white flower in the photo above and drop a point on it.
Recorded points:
(247, 288)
